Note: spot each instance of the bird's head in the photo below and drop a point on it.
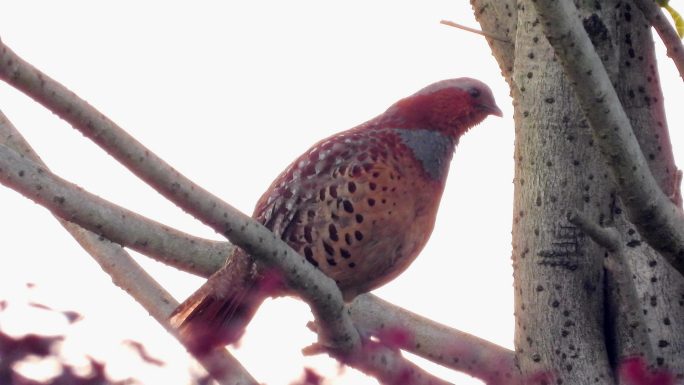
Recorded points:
(451, 106)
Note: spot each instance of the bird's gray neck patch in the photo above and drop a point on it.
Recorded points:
(432, 148)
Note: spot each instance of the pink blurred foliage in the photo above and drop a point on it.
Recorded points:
(395, 337)
(310, 377)
(271, 282)
(635, 371)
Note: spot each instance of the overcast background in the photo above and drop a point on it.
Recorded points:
(229, 93)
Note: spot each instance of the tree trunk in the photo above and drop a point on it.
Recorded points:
(562, 324)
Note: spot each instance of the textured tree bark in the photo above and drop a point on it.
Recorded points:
(561, 326)
(659, 286)
(558, 272)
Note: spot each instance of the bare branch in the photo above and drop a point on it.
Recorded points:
(132, 278)
(389, 366)
(317, 290)
(658, 220)
(655, 16)
(433, 341)
(162, 243)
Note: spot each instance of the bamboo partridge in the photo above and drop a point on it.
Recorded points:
(359, 205)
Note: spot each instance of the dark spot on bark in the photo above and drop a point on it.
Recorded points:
(634, 243)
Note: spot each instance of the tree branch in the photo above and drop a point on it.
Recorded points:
(658, 220)
(132, 278)
(129, 276)
(317, 290)
(668, 34)
(183, 251)
(435, 342)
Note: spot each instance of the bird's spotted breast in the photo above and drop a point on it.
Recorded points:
(432, 148)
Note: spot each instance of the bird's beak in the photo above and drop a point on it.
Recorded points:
(493, 110)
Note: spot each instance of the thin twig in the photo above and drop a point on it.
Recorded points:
(668, 34)
(129, 276)
(476, 31)
(657, 219)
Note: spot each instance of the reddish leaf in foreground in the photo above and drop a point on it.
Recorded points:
(310, 378)
(634, 371)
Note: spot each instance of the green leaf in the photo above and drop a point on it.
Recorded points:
(679, 22)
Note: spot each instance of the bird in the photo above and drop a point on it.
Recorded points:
(359, 206)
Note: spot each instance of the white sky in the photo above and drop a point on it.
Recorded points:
(229, 93)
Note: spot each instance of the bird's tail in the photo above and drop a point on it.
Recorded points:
(219, 311)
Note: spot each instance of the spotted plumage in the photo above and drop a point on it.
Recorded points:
(359, 206)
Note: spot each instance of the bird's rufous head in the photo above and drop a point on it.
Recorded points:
(451, 106)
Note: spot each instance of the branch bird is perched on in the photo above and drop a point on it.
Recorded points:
(359, 205)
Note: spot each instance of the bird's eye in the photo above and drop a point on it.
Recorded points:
(474, 92)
